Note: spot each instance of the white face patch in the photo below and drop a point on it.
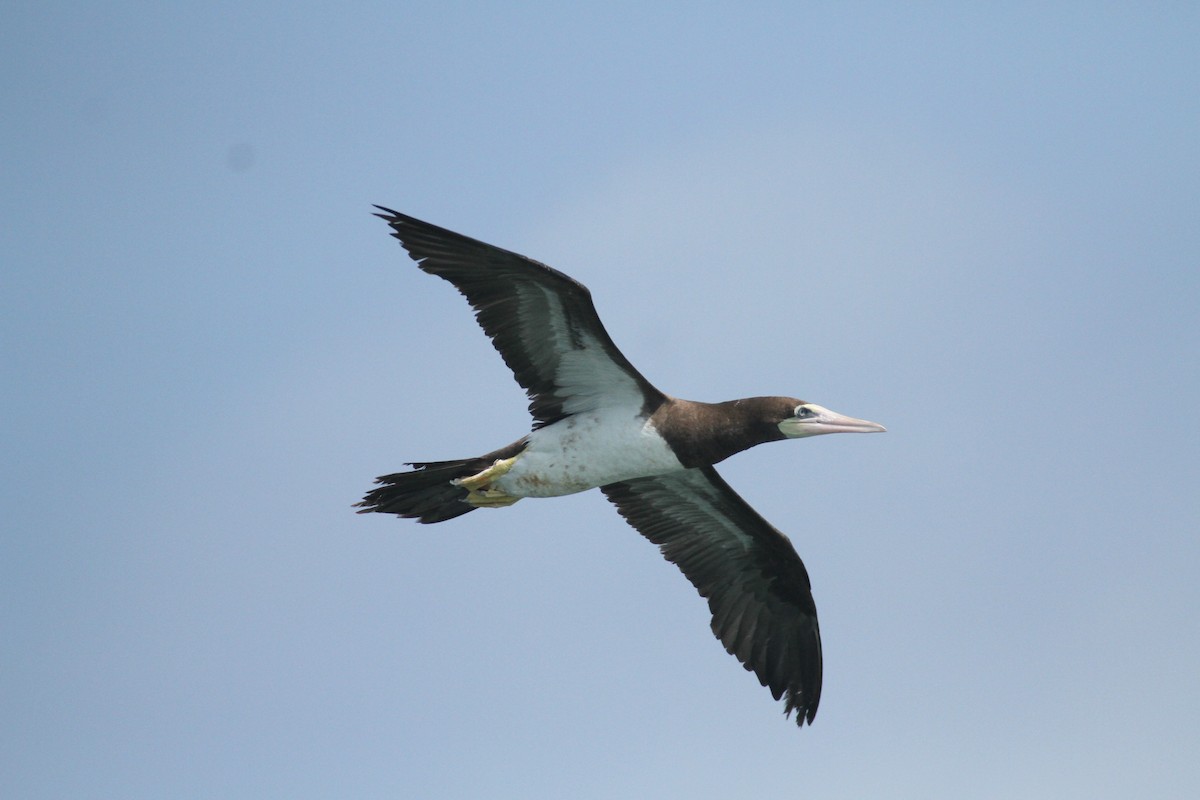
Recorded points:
(810, 419)
(809, 410)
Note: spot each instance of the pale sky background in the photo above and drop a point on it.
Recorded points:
(979, 227)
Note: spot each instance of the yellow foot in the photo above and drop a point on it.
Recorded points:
(490, 498)
(481, 479)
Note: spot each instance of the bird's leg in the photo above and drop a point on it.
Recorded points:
(479, 480)
(480, 492)
(490, 498)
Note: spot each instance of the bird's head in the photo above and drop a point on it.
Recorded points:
(810, 419)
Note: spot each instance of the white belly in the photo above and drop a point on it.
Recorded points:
(585, 451)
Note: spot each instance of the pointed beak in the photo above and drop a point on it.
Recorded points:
(825, 421)
(832, 422)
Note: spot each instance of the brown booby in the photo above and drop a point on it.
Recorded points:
(598, 423)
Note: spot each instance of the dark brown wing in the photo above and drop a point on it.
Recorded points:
(541, 321)
(756, 585)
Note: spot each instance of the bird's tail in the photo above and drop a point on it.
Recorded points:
(428, 493)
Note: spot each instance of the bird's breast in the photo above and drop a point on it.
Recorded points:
(587, 450)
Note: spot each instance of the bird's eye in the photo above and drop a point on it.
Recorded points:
(803, 412)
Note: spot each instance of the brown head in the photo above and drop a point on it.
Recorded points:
(703, 434)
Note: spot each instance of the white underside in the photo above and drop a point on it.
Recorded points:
(587, 450)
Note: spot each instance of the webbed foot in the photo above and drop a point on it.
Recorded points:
(490, 498)
(479, 480)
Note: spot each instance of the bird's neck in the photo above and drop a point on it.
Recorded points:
(702, 434)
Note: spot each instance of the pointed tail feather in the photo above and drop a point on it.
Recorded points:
(428, 493)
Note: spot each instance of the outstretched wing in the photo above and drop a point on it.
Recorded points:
(541, 321)
(756, 586)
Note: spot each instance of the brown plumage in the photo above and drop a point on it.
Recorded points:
(651, 454)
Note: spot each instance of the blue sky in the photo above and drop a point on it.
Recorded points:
(978, 227)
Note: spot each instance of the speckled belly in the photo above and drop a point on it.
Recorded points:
(585, 451)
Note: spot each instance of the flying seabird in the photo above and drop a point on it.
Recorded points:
(598, 423)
